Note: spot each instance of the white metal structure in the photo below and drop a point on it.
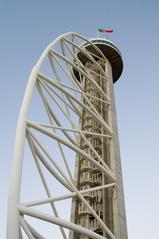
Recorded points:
(61, 96)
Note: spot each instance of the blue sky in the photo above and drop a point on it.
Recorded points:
(27, 27)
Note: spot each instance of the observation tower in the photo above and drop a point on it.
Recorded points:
(67, 131)
(108, 204)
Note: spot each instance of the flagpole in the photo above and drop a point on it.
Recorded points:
(104, 31)
(97, 33)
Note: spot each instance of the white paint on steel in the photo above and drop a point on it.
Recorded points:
(57, 221)
(16, 172)
(25, 126)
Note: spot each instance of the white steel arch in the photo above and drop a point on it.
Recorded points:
(66, 92)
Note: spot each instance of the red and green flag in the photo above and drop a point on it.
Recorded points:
(105, 30)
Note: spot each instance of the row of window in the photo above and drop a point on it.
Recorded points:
(96, 106)
(96, 195)
(92, 91)
(97, 148)
(93, 141)
(96, 103)
(97, 207)
(89, 167)
(90, 121)
(92, 130)
(88, 151)
(89, 83)
(94, 178)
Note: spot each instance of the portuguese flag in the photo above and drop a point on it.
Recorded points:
(105, 30)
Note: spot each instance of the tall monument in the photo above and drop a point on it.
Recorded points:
(70, 138)
(107, 203)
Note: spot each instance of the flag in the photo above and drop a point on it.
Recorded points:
(105, 30)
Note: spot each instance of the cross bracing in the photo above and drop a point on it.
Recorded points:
(64, 102)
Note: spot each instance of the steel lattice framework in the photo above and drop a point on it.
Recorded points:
(63, 99)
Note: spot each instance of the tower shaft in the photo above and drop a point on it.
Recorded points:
(108, 203)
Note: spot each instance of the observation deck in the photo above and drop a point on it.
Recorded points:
(110, 51)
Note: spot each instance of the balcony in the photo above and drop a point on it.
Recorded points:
(94, 179)
(92, 225)
(83, 210)
(85, 165)
(95, 226)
